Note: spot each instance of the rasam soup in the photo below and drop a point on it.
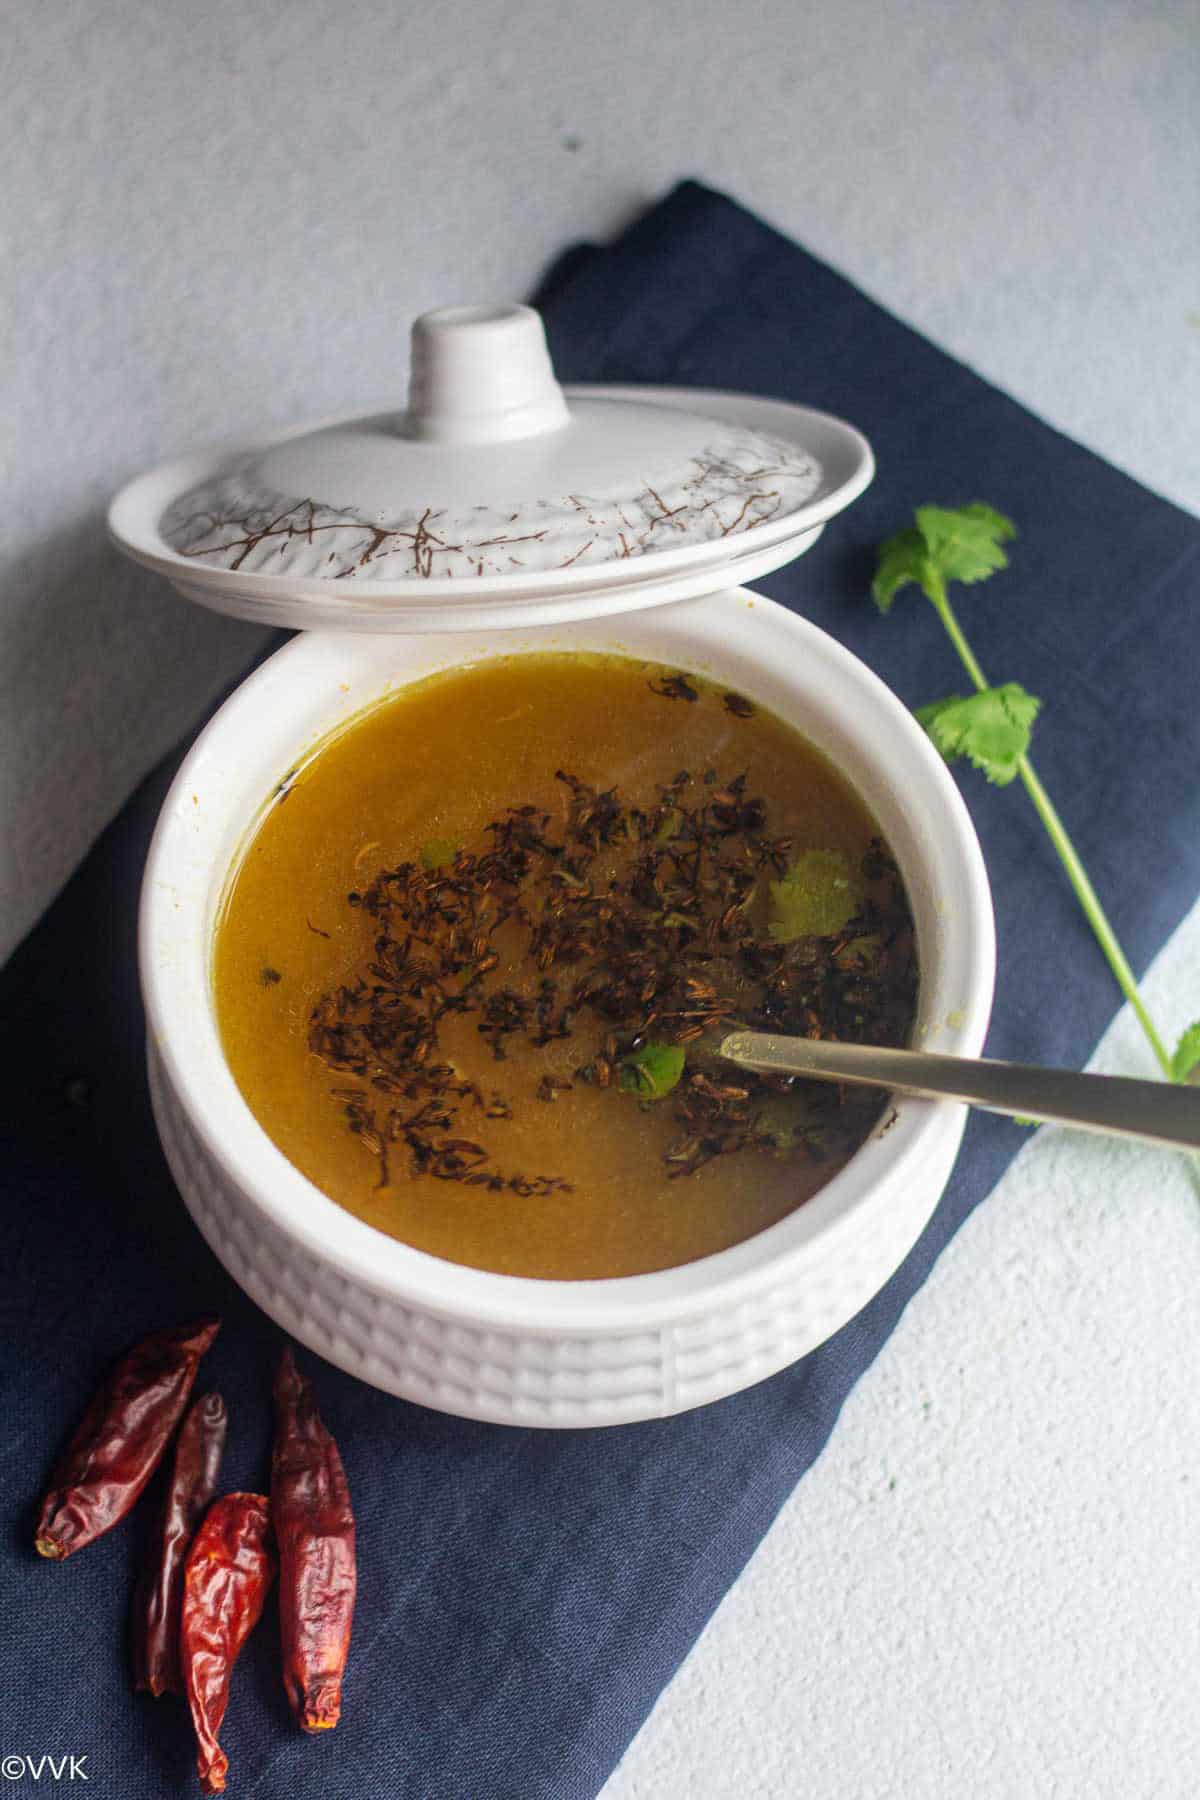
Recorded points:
(472, 969)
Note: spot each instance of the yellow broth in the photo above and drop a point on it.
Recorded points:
(433, 765)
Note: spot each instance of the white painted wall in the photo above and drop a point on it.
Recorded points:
(223, 216)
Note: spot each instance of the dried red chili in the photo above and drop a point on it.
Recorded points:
(118, 1443)
(314, 1527)
(227, 1577)
(159, 1597)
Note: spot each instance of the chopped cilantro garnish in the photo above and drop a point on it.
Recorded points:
(782, 1119)
(817, 897)
(652, 1071)
(439, 853)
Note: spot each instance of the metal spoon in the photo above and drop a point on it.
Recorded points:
(1158, 1110)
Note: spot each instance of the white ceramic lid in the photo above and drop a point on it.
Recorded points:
(497, 498)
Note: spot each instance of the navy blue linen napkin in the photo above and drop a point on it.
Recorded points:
(525, 1596)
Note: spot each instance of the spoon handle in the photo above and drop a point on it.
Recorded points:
(1161, 1111)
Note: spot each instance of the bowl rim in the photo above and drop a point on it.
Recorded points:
(189, 1046)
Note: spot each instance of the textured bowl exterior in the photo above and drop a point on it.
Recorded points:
(552, 1378)
(496, 1347)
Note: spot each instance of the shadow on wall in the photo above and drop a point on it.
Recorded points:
(105, 667)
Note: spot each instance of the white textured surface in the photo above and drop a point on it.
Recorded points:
(989, 1584)
(220, 217)
(223, 216)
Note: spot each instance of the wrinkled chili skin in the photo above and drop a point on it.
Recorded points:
(314, 1529)
(120, 1439)
(159, 1597)
(227, 1577)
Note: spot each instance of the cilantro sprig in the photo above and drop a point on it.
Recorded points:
(992, 728)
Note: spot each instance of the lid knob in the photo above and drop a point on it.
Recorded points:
(481, 374)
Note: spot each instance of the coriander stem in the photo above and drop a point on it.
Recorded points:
(1077, 875)
(1093, 911)
(954, 632)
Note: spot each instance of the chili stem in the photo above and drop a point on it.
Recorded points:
(1086, 894)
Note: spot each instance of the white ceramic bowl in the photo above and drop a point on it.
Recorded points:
(499, 1347)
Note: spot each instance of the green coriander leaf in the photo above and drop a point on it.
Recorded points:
(439, 853)
(991, 729)
(902, 559)
(1186, 1061)
(817, 897)
(652, 1071)
(783, 1119)
(963, 543)
(1002, 527)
